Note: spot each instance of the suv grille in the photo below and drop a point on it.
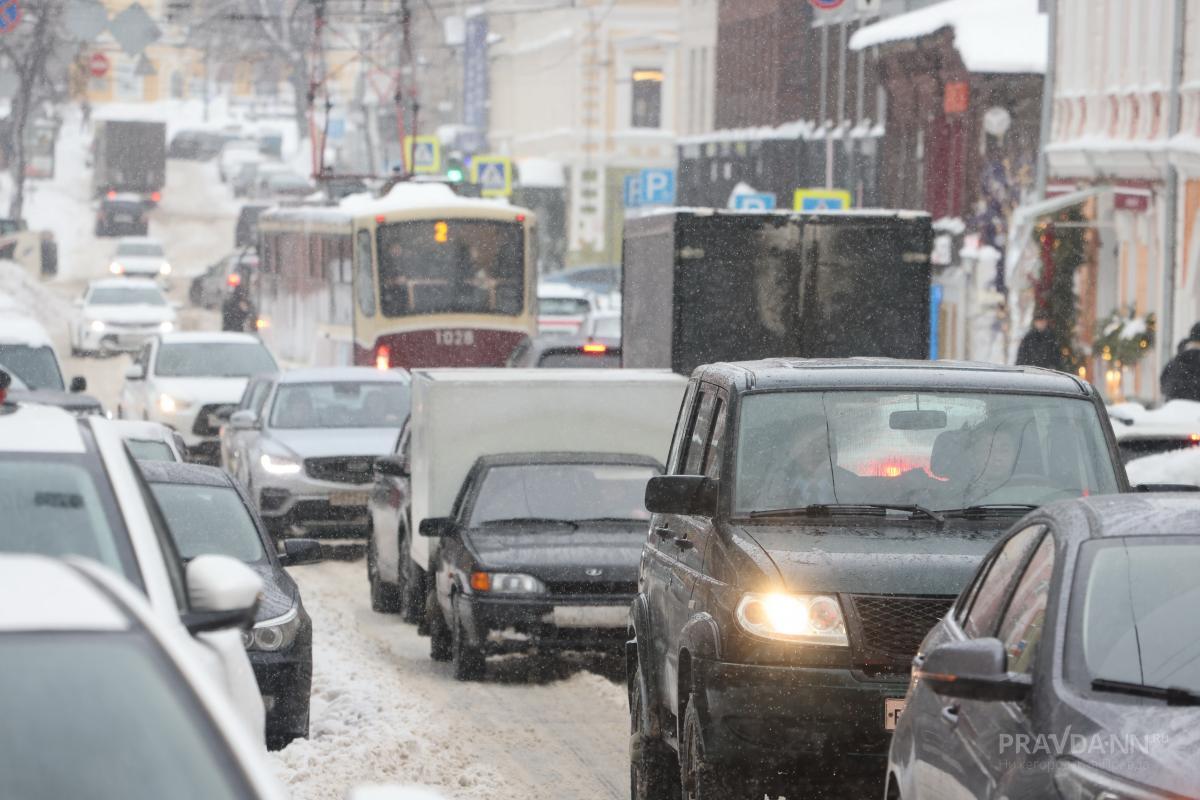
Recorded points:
(202, 426)
(894, 626)
(341, 469)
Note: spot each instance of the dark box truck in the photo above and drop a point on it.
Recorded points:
(706, 285)
(129, 157)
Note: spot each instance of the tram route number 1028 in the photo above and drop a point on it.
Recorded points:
(454, 338)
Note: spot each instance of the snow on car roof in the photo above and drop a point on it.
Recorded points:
(543, 375)
(39, 594)
(209, 337)
(334, 374)
(411, 196)
(141, 429)
(24, 330)
(40, 429)
(138, 240)
(122, 283)
(990, 35)
(549, 289)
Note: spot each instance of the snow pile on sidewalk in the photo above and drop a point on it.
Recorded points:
(1178, 466)
(22, 294)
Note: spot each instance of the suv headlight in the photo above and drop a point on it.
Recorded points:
(169, 404)
(506, 583)
(272, 635)
(804, 618)
(97, 325)
(279, 465)
(166, 326)
(1078, 781)
(165, 268)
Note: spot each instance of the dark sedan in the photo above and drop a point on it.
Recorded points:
(542, 552)
(208, 512)
(1069, 667)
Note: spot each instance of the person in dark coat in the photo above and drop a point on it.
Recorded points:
(1181, 377)
(1040, 348)
(238, 312)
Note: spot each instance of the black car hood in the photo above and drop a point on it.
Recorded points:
(913, 559)
(560, 554)
(74, 402)
(279, 591)
(1145, 742)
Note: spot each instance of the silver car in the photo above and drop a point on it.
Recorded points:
(304, 443)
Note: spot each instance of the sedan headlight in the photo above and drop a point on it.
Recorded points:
(165, 269)
(506, 583)
(116, 268)
(97, 325)
(166, 326)
(168, 404)
(1078, 781)
(272, 635)
(804, 618)
(279, 465)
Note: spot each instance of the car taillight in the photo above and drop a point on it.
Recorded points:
(383, 357)
(234, 279)
(595, 349)
(156, 196)
(112, 195)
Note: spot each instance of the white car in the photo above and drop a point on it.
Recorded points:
(28, 354)
(151, 441)
(563, 308)
(604, 324)
(190, 382)
(71, 488)
(103, 700)
(141, 257)
(119, 315)
(235, 153)
(1142, 432)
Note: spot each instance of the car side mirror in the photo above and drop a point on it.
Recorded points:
(222, 593)
(396, 466)
(682, 494)
(976, 669)
(135, 372)
(78, 384)
(300, 551)
(243, 420)
(1166, 487)
(438, 527)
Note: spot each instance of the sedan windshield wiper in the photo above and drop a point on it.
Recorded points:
(608, 519)
(826, 509)
(989, 510)
(1174, 695)
(530, 521)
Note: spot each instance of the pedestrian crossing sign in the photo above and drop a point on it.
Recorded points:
(423, 154)
(821, 200)
(493, 175)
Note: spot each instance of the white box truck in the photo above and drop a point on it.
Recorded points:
(459, 415)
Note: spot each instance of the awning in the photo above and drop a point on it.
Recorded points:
(1023, 215)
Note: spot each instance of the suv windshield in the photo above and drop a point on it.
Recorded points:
(208, 519)
(213, 360)
(340, 404)
(89, 679)
(562, 492)
(35, 366)
(118, 296)
(1133, 613)
(941, 450)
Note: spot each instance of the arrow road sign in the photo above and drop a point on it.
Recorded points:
(10, 15)
(493, 174)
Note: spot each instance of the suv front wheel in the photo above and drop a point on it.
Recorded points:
(653, 767)
(701, 779)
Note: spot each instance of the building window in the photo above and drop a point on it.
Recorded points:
(647, 98)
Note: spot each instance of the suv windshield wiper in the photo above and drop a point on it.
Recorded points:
(530, 521)
(824, 509)
(1174, 695)
(989, 510)
(609, 519)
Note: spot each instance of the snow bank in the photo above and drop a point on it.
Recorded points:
(1178, 466)
(22, 295)
(541, 172)
(990, 35)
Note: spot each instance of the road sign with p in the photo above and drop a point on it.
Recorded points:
(754, 201)
(658, 187)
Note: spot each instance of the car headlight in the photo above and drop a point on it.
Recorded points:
(166, 326)
(168, 404)
(116, 268)
(97, 325)
(1078, 781)
(165, 269)
(272, 635)
(279, 465)
(805, 618)
(506, 583)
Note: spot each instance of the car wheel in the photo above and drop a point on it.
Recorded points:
(702, 780)
(440, 638)
(468, 659)
(412, 606)
(384, 597)
(653, 766)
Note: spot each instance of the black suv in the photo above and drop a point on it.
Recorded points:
(816, 519)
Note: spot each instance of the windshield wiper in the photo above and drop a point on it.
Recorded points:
(1174, 695)
(531, 521)
(989, 510)
(608, 519)
(826, 509)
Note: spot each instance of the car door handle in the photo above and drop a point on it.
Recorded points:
(661, 531)
(684, 544)
(950, 713)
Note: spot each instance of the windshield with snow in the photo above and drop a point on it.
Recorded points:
(941, 450)
(119, 296)
(340, 404)
(213, 360)
(208, 519)
(562, 492)
(35, 366)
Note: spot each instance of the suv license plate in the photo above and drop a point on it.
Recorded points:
(348, 499)
(591, 616)
(893, 707)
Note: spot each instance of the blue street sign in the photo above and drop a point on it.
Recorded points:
(757, 201)
(935, 310)
(633, 190)
(658, 187)
(10, 15)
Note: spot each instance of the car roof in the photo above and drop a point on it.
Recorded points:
(549, 342)
(31, 428)
(122, 283)
(562, 290)
(1131, 514)
(513, 459)
(141, 429)
(46, 594)
(208, 337)
(23, 330)
(192, 474)
(347, 374)
(887, 373)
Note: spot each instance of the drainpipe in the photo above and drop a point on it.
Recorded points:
(1166, 338)
(1050, 7)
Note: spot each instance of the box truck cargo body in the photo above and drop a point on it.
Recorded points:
(129, 156)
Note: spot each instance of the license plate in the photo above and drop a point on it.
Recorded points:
(893, 707)
(591, 616)
(122, 218)
(348, 499)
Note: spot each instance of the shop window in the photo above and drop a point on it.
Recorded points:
(647, 98)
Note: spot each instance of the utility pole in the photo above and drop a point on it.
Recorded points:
(1051, 9)
(1166, 338)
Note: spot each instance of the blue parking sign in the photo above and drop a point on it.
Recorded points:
(658, 187)
(633, 190)
(756, 201)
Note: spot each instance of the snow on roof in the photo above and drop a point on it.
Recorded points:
(40, 429)
(796, 129)
(38, 594)
(541, 172)
(411, 196)
(24, 330)
(990, 35)
(1176, 466)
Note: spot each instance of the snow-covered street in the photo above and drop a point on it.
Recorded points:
(383, 712)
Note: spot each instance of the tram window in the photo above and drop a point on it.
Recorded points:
(465, 266)
(364, 283)
(314, 257)
(344, 273)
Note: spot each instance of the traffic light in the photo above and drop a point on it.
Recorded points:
(455, 171)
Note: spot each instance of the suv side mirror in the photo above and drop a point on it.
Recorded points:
(78, 384)
(396, 466)
(134, 372)
(973, 670)
(300, 551)
(438, 527)
(682, 494)
(1166, 487)
(222, 592)
(243, 420)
